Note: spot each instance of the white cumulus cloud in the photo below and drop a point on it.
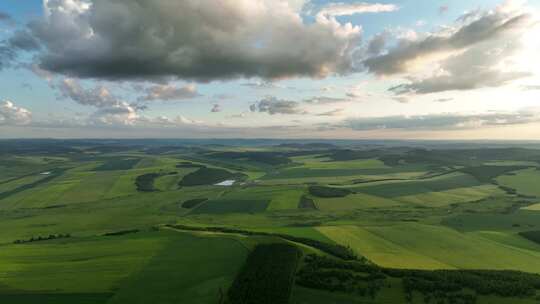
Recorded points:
(10, 114)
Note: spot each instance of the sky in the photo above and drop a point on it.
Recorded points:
(404, 69)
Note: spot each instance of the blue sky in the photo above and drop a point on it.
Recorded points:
(283, 68)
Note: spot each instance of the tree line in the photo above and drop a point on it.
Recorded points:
(121, 232)
(324, 273)
(342, 252)
(533, 236)
(306, 203)
(43, 238)
(328, 192)
(192, 203)
(439, 286)
(485, 282)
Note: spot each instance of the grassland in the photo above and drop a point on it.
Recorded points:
(451, 197)
(418, 246)
(231, 206)
(355, 201)
(535, 207)
(322, 162)
(118, 164)
(188, 269)
(408, 188)
(134, 268)
(71, 266)
(425, 210)
(525, 182)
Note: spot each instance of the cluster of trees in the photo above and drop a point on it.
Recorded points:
(192, 203)
(306, 203)
(43, 238)
(116, 163)
(163, 150)
(487, 174)
(121, 232)
(269, 158)
(185, 164)
(443, 295)
(484, 282)
(336, 250)
(451, 157)
(461, 297)
(267, 277)
(440, 286)
(346, 155)
(512, 191)
(334, 275)
(145, 182)
(308, 146)
(328, 192)
(306, 224)
(531, 235)
(209, 176)
(508, 190)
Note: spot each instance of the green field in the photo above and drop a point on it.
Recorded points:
(433, 247)
(408, 188)
(409, 210)
(355, 201)
(231, 206)
(450, 197)
(188, 268)
(118, 164)
(321, 162)
(125, 266)
(526, 182)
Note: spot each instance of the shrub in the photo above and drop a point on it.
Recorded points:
(192, 203)
(306, 203)
(145, 182)
(328, 192)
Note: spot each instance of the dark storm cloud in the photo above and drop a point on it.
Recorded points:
(200, 40)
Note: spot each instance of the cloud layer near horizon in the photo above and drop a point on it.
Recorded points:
(447, 121)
